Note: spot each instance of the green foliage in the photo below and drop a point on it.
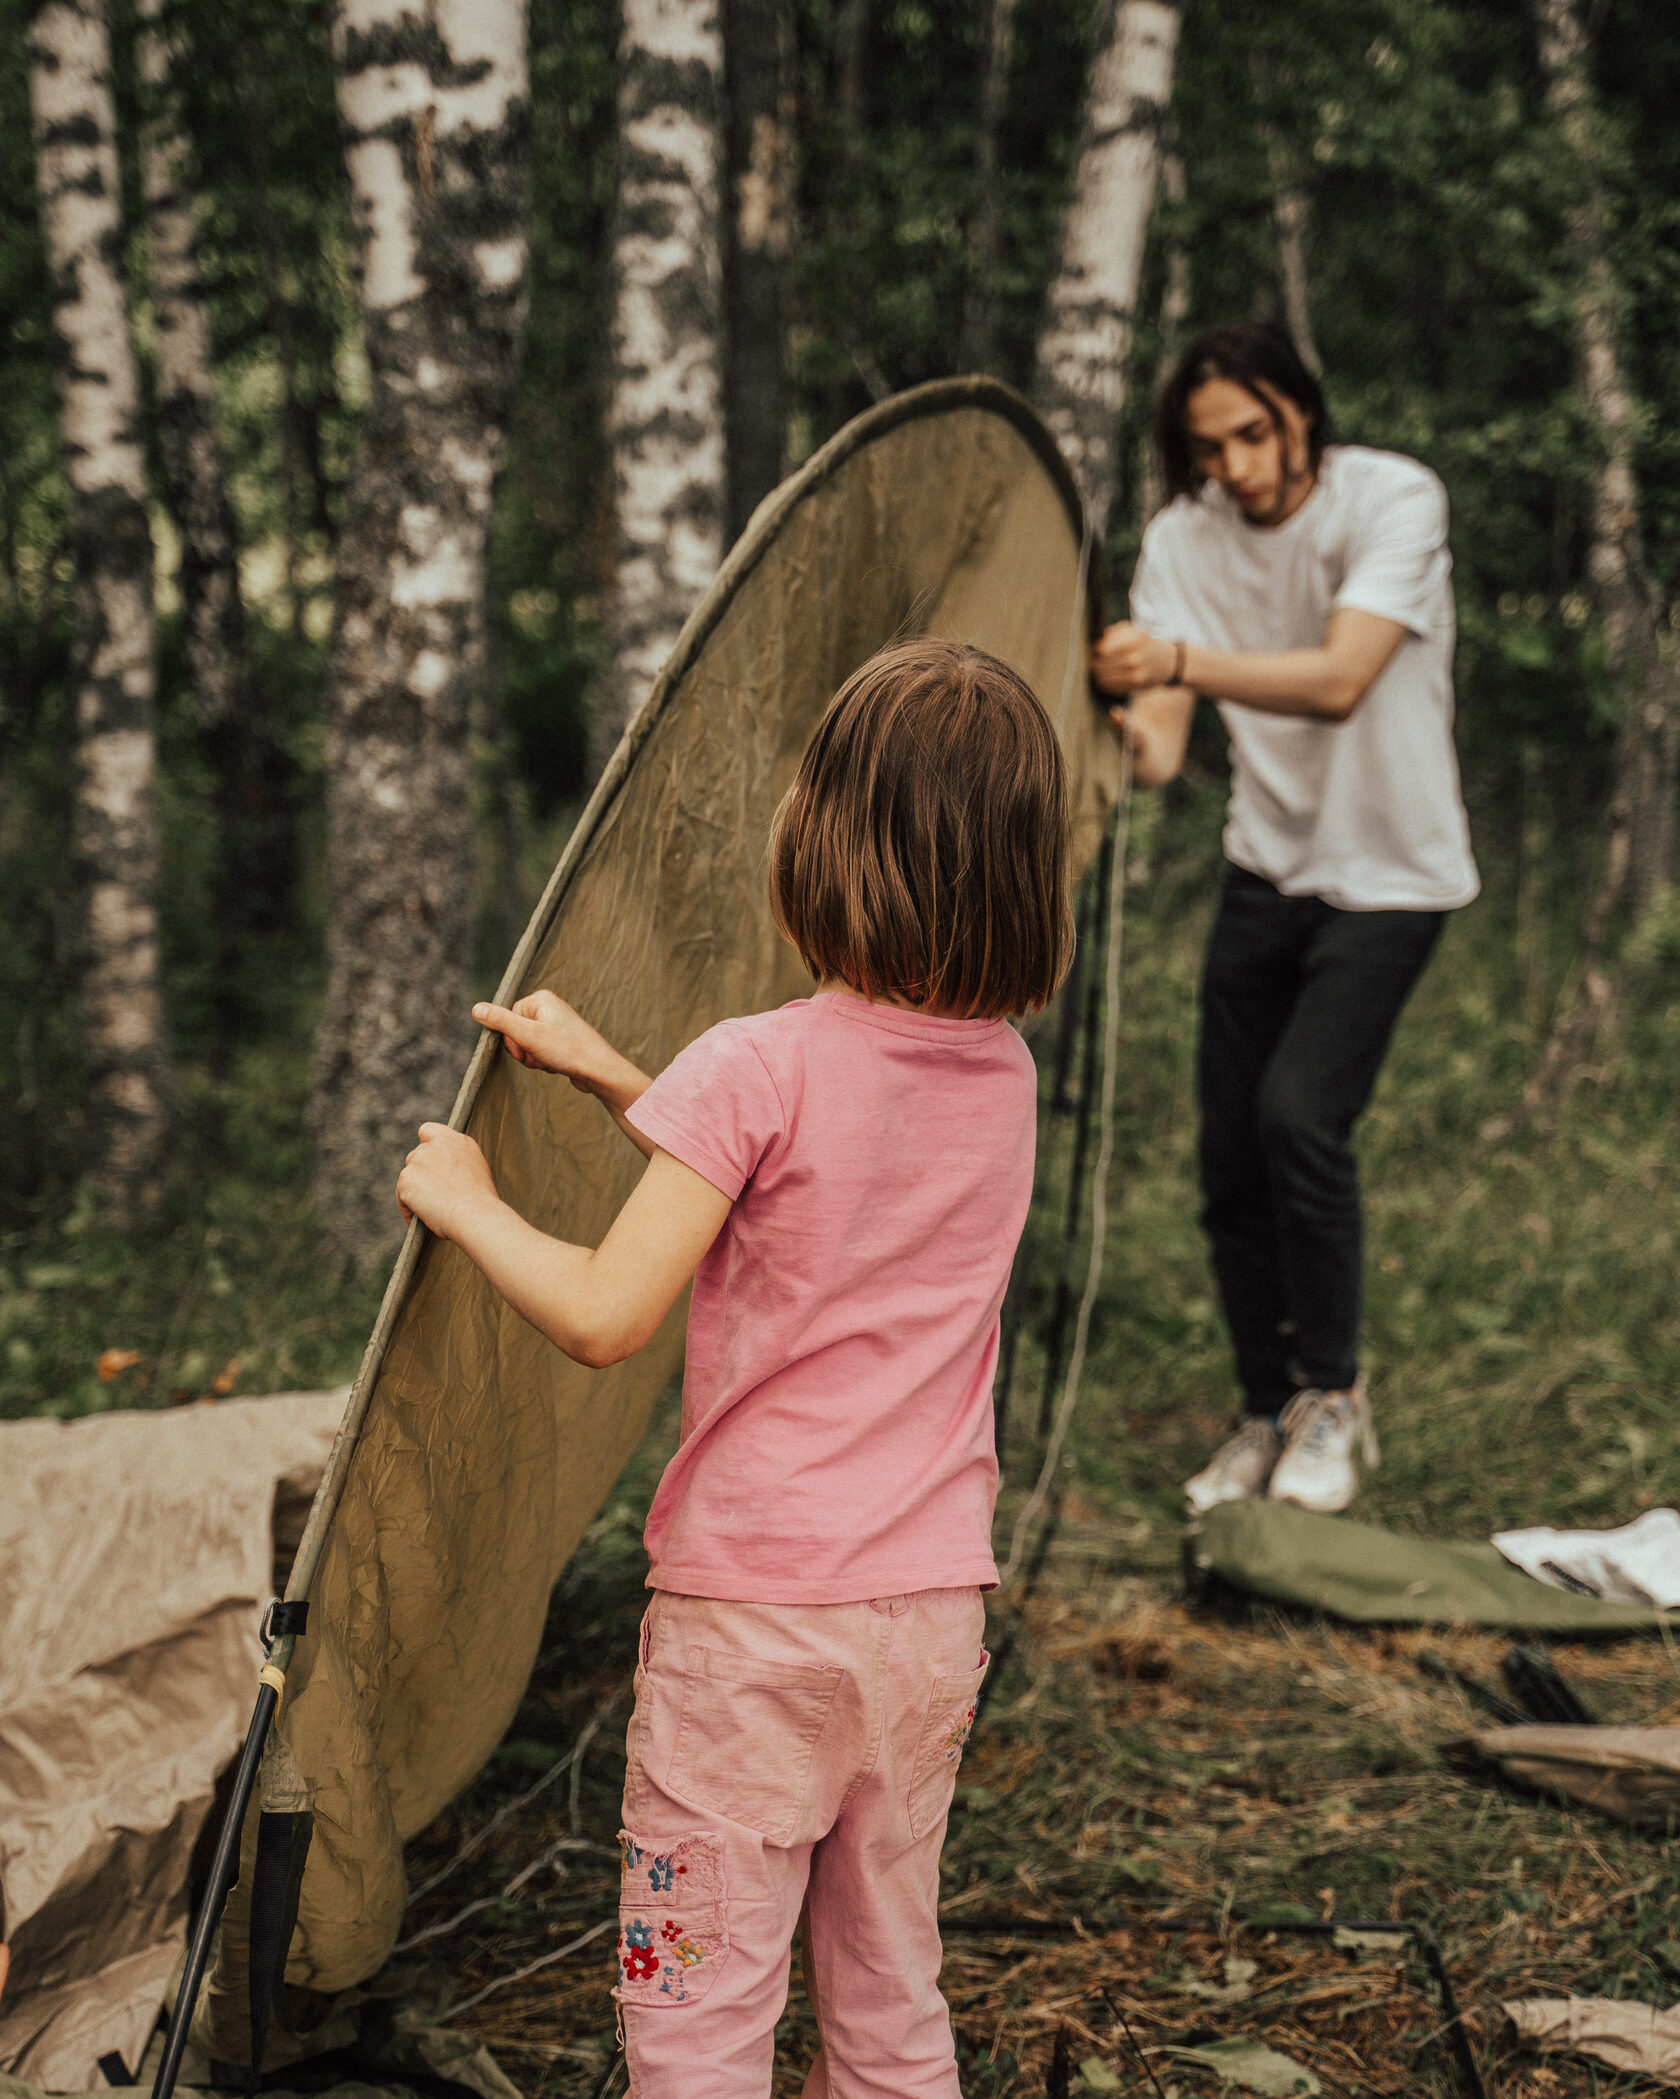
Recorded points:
(887, 194)
(1441, 298)
(553, 549)
(227, 1284)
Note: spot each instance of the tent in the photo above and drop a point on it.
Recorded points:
(135, 1552)
(473, 1454)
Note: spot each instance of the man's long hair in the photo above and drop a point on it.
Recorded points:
(1252, 355)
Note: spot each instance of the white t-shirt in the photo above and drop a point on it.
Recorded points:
(1365, 813)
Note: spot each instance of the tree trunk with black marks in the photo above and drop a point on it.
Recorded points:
(1175, 312)
(1636, 860)
(1291, 215)
(112, 675)
(979, 328)
(665, 416)
(256, 875)
(186, 395)
(758, 72)
(1624, 593)
(436, 113)
(1080, 382)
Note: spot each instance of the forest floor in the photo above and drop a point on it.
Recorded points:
(1150, 1779)
(1146, 1778)
(1149, 1775)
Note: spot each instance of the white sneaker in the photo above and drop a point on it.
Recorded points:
(1321, 1431)
(1238, 1469)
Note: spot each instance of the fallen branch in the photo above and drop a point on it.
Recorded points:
(530, 1968)
(484, 1902)
(475, 1844)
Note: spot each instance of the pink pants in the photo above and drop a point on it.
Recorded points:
(781, 1755)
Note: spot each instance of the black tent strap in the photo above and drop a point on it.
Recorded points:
(276, 1883)
(281, 1619)
(1004, 1924)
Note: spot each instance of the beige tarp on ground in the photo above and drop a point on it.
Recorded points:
(135, 1550)
(1629, 2036)
(485, 1453)
(1632, 1773)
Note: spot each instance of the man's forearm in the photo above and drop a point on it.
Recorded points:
(1310, 682)
(1324, 683)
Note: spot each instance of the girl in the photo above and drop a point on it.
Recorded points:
(845, 1180)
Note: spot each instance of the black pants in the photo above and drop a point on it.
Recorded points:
(1299, 1000)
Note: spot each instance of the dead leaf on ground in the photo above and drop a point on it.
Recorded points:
(114, 1362)
(1253, 2067)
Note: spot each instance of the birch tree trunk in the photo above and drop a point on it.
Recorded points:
(112, 673)
(979, 327)
(757, 48)
(186, 395)
(256, 866)
(436, 113)
(665, 415)
(1636, 855)
(1080, 383)
(1625, 595)
(1175, 312)
(1291, 215)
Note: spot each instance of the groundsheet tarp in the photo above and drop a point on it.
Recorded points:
(485, 1452)
(135, 1552)
(1375, 1577)
(1630, 1773)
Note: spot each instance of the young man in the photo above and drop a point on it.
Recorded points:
(1306, 589)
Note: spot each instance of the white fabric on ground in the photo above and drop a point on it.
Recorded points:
(1640, 1563)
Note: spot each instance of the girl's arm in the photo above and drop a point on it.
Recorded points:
(595, 1307)
(1325, 683)
(546, 1033)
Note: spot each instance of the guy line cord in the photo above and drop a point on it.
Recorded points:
(1099, 1182)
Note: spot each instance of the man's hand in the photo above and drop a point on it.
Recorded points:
(445, 1181)
(1126, 659)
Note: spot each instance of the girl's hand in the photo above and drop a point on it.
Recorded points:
(445, 1180)
(546, 1033)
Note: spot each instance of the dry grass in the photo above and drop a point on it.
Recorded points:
(1144, 1762)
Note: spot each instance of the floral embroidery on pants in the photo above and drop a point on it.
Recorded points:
(673, 1932)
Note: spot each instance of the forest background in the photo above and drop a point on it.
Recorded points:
(1469, 210)
(1439, 213)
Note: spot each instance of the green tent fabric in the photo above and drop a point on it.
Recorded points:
(1376, 1577)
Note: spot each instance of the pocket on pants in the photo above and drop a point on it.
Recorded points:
(748, 1730)
(673, 1918)
(950, 1715)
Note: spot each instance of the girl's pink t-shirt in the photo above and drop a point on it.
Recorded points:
(837, 1419)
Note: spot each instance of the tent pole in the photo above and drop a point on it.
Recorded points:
(329, 1493)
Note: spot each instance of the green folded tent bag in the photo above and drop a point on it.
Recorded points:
(1376, 1577)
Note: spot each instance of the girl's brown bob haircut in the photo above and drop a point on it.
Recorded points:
(921, 852)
